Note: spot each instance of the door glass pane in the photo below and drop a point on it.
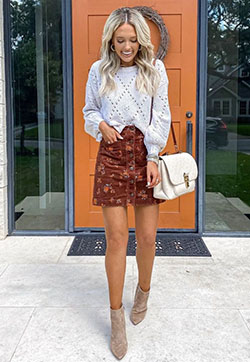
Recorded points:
(227, 205)
(36, 57)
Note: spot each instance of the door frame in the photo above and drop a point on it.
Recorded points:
(202, 21)
(201, 108)
(201, 64)
(202, 24)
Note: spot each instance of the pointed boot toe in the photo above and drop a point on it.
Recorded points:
(118, 343)
(139, 308)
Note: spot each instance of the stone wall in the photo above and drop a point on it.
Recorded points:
(3, 138)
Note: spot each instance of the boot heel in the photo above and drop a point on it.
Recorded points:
(118, 343)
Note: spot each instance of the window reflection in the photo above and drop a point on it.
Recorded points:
(38, 114)
(228, 117)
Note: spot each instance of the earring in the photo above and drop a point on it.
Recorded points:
(140, 47)
(112, 47)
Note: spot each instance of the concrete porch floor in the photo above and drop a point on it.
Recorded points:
(56, 308)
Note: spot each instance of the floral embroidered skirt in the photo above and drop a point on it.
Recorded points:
(121, 172)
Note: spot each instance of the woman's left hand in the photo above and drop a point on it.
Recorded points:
(153, 175)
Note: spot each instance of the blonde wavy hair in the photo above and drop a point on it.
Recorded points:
(148, 78)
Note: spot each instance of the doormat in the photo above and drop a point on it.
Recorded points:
(166, 245)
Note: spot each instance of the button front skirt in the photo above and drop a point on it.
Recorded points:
(121, 172)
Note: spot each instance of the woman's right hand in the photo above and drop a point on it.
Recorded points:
(109, 133)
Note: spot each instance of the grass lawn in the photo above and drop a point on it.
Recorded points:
(27, 175)
(230, 185)
(243, 129)
(56, 131)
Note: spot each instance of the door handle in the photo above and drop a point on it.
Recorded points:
(189, 137)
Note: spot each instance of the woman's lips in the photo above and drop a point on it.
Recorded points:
(126, 55)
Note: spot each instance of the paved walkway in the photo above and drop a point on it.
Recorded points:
(55, 308)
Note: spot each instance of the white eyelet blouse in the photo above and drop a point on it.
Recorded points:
(127, 106)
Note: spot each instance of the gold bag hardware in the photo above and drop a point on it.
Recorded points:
(186, 179)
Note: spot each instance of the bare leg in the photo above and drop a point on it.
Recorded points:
(146, 220)
(116, 230)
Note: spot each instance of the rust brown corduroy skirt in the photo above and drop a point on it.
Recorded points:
(121, 172)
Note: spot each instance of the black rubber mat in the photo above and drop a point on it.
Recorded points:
(166, 245)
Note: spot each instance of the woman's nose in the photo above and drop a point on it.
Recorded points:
(127, 46)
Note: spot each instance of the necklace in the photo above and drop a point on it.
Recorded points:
(124, 66)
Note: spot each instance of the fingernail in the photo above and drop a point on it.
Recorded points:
(148, 183)
(121, 137)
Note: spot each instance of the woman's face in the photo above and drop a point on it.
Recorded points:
(125, 44)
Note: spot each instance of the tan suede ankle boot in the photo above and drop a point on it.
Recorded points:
(139, 308)
(118, 344)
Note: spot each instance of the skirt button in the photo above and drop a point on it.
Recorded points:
(131, 168)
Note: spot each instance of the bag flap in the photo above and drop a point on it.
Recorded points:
(179, 163)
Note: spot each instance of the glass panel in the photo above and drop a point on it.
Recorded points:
(228, 120)
(226, 111)
(36, 42)
(243, 107)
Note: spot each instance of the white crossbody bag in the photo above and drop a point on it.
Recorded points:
(178, 172)
(178, 175)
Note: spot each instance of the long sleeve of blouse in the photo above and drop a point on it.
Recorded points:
(127, 106)
(92, 110)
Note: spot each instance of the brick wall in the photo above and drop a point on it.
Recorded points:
(3, 138)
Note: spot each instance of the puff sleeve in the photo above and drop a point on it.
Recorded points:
(157, 132)
(92, 109)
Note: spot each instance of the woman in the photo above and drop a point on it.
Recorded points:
(117, 112)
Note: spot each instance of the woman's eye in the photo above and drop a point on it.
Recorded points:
(121, 41)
